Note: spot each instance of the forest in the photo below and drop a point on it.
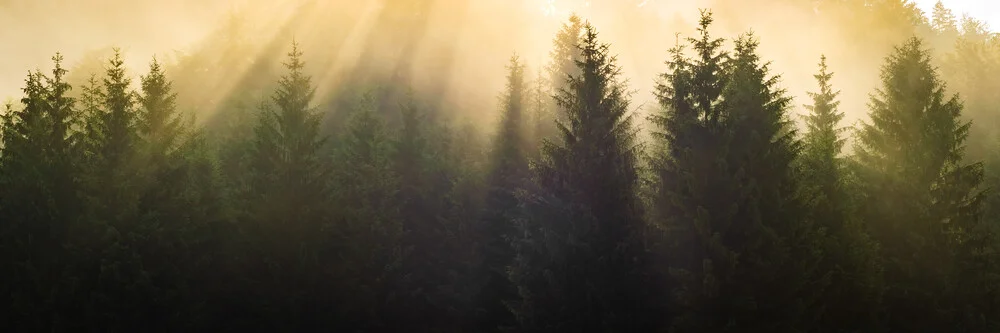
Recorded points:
(726, 204)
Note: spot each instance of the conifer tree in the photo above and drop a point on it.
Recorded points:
(367, 189)
(850, 254)
(37, 193)
(160, 125)
(742, 254)
(943, 20)
(509, 171)
(113, 187)
(562, 65)
(427, 167)
(118, 117)
(922, 200)
(287, 202)
(580, 264)
(538, 101)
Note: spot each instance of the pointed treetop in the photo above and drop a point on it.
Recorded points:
(58, 71)
(823, 78)
(296, 90)
(294, 63)
(942, 19)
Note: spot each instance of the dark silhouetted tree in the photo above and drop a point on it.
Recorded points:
(287, 203)
(509, 172)
(922, 200)
(742, 251)
(580, 263)
(851, 257)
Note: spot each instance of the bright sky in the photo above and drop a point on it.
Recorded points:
(984, 10)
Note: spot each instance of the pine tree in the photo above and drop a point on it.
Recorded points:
(159, 124)
(580, 264)
(922, 201)
(562, 65)
(38, 195)
(179, 204)
(370, 241)
(124, 287)
(509, 171)
(943, 20)
(538, 99)
(743, 254)
(118, 120)
(850, 254)
(434, 237)
(287, 202)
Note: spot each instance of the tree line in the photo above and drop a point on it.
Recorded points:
(117, 213)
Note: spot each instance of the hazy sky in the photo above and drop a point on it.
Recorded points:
(36, 29)
(985, 10)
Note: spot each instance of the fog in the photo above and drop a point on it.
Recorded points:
(452, 49)
(412, 176)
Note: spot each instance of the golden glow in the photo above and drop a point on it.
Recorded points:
(461, 48)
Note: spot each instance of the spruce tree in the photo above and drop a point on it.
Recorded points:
(742, 253)
(539, 99)
(371, 229)
(159, 124)
(287, 202)
(37, 193)
(922, 200)
(125, 288)
(943, 20)
(509, 171)
(562, 65)
(850, 254)
(434, 237)
(580, 264)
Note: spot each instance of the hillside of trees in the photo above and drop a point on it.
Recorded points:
(729, 206)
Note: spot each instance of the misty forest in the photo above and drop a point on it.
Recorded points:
(834, 170)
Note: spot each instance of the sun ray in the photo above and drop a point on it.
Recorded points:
(350, 49)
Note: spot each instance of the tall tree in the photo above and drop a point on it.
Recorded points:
(743, 253)
(943, 20)
(371, 229)
(159, 124)
(923, 202)
(562, 65)
(38, 194)
(580, 262)
(509, 171)
(113, 188)
(285, 207)
(539, 99)
(436, 239)
(851, 256)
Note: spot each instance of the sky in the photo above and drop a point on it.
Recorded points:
(984, 10)
(43, 27)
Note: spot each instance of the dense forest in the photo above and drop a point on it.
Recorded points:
(726, 206)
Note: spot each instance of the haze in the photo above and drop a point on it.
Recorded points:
(470, 40)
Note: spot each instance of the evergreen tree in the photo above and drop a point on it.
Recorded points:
(943, 20)
(434, 236)
(743, 253)
(38, 196)
(286, 204)
(371, 228)
(923, 202)
(538, 101)
(850, 254)
(580, 264)
(562, 65)
(124, 287)
(160, 125)
(510, 169)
